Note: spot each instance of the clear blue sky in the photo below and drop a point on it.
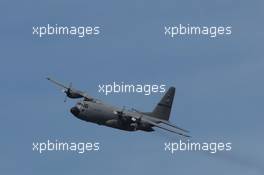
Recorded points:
(219, 84)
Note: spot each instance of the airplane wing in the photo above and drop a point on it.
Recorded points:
(155, 122)
(161, 127)
(71, 92)
(169, 124)
(158, 120)
(57, 83)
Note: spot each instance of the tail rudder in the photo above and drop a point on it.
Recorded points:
(163, 108)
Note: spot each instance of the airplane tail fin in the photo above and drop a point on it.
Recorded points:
(163, 108)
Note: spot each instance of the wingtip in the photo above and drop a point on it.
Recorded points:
(186, 135)
(186, 131)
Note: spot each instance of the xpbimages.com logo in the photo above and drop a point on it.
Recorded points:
(146, 89)
(212, 147)
(59, 30)
(174, 31)
(79, 147)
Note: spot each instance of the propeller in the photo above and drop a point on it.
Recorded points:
(70, 91)
(67, 91)
(132, 121)
(121, 113)
(135, 122)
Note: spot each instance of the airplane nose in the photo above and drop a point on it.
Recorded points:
(75, 111)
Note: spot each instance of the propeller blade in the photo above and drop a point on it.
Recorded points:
(67, 92)
(65, 98)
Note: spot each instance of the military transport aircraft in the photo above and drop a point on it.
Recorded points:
(95, 111)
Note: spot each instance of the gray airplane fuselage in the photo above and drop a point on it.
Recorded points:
(103, 114)
(95, 111)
